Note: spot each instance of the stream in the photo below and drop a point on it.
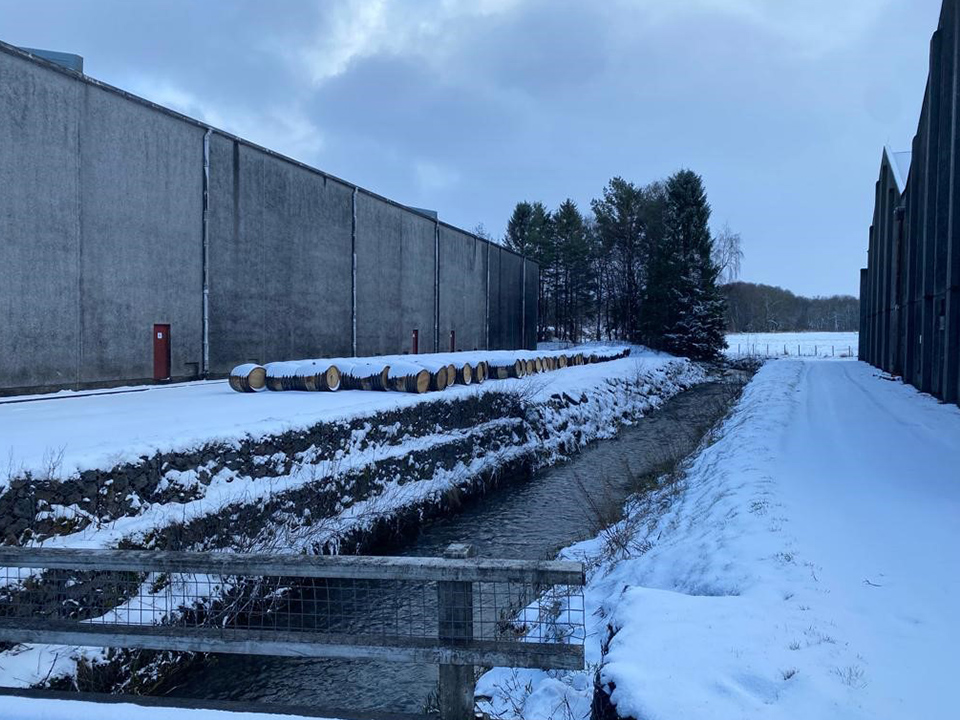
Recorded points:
(530, 519)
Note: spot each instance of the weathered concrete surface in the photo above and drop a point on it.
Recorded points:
(494, 301)
(511, 294)
(39, 225)
(463, 290)
(280, 259)
(141, 194)
(102, 222)
(395, 277)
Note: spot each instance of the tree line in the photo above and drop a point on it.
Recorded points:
(641, 266)
(764, 308)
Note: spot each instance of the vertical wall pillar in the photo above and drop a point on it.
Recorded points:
(436, 286)
(486, 309)
(205, 245)
(353, 277)
(523, 301)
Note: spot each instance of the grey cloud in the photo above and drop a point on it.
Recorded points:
(469, 107)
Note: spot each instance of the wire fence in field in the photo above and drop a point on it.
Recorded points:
(777, 349)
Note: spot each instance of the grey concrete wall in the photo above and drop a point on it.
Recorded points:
(463, 290)
(418, 251)
(280, 259)
(511, 294)
(102, 229)
(39, 225)
(141, 195)
(395, 278)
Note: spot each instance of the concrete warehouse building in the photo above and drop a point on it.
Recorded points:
(910, 289)
(139, 244)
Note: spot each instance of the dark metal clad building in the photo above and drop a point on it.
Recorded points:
(137, 244)
(910, 289)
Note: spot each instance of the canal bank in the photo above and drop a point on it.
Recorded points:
(461, 449)
(524, 517)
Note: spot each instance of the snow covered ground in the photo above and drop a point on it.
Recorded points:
(100, 429)
(805, 344)
(806, 566)
(15, 708)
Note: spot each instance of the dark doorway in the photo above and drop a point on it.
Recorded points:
(161, 352)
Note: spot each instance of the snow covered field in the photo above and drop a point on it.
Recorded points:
(806, 344)
(806, 567)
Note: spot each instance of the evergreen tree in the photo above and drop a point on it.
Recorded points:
(518, 228)
(645, 268)
(620, 227)
(573, 286)
(530, 233)
(684, 308)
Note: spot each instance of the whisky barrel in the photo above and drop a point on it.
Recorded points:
(318, 375)
(365, 376)
(408, 377)
(248, 378)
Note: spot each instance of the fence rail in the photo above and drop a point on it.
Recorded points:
(772, 350)
(457, 611)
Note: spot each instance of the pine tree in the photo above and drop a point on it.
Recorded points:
(518, 228)
(573, 288)
(530, 233)
(620, 225)
(684, 310)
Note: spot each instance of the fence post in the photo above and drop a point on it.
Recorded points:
(455, 605)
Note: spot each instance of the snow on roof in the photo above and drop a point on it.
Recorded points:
(900, 165)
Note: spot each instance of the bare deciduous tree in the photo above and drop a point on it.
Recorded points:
(727, 254)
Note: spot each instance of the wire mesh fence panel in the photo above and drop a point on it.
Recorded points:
(365, 611)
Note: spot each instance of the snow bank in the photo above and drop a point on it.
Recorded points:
(59, 434)
(558, 413)
(15, 708)
(805, 567)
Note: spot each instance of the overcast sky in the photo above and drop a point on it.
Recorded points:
(467, 106)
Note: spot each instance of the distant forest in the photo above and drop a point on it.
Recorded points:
(764, 308)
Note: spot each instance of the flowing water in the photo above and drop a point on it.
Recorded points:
(531, 519)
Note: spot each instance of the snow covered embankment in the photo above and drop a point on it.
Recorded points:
(800, 566)
(351, 484)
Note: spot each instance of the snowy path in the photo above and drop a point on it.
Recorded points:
(807, 566)
(870, 475)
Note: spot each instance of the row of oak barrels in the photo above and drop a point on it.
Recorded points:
(409, 373)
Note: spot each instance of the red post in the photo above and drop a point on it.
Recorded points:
(415, 343)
